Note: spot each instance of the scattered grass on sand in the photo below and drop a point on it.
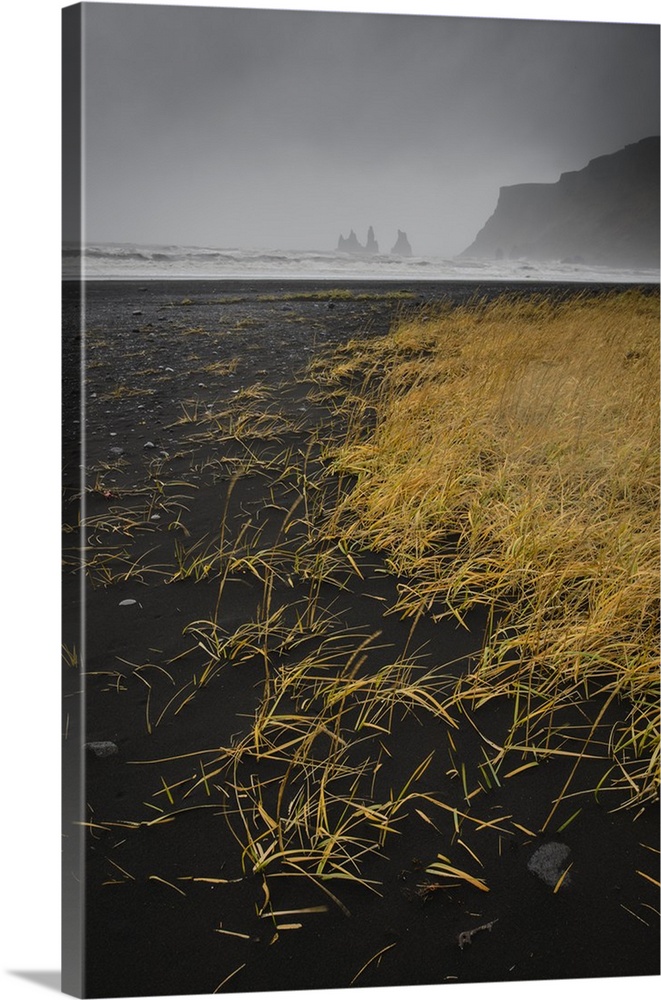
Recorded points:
(506, 453)
(337, 294)
(501, 454)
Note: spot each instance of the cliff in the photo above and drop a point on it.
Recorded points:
(607, 213)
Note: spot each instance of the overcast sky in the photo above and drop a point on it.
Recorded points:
(276, 129)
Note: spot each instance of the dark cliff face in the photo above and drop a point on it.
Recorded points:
(607, 213)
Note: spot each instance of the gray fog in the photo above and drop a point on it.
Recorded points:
(272, 129)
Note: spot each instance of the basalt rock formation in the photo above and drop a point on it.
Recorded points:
(402, 247)
(351, 244)
(372, 246)
(605, 214)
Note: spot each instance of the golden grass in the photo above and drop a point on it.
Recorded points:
(507, 454)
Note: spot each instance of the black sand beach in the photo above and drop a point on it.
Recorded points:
(203, 435)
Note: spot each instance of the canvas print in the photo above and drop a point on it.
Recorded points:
(360, 500)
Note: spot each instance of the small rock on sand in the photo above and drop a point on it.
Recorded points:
(102, 748)
(549, 862)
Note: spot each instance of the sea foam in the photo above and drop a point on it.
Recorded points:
(126, 261)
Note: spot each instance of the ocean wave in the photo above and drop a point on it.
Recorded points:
(117, 261)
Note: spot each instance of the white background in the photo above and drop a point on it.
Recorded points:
(30, 483)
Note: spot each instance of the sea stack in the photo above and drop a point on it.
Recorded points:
(350, 244)
(372, 246)
(402, 247)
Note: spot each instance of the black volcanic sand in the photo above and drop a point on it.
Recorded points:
(153, 353)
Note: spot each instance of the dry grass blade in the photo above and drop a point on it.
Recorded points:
(444, 870)
(372, 959)
(231, 976)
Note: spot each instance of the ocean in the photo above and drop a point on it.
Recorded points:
(126, 261)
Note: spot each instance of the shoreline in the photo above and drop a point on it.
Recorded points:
(342, 281)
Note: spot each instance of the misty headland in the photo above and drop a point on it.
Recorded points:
(605, 214)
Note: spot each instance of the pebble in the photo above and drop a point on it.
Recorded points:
(549, 862)
(149, 444)
(125, 603)
(103, 748)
